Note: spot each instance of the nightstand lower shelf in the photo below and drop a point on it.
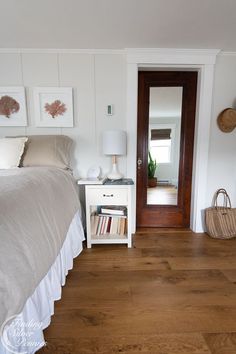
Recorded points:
(109, 239)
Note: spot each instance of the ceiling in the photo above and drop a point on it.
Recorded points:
(165, 102)
(118, 24)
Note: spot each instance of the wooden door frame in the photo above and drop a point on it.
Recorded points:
(166, 215)
(175, 59)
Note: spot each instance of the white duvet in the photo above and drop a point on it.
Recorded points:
(37, 205)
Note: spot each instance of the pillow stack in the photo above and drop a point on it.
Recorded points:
(36, 150)
(11, 151)
(47, 150)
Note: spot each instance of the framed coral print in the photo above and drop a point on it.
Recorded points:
(53, 106)
(12, 107)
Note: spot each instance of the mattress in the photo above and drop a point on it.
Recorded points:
(37, 312)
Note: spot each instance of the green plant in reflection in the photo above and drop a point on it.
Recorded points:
(152, 166)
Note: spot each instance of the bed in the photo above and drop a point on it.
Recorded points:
(40, 234)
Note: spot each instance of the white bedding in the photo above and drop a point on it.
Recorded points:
(37, 205)
(39, 307)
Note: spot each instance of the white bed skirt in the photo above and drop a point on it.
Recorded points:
(23, 334)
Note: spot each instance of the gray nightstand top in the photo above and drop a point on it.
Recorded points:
(119, 182)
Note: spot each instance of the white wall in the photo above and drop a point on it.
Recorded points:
(97, 80)
(100, 79)
(222, 150)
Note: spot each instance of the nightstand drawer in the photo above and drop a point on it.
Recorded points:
(107, 196)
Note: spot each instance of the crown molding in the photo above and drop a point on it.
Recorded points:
(59, 51)
(133, 54)
(128, 51)
(227, 54)
(173, 50)
(171, 56)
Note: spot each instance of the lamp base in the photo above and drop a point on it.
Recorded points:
(114, 174)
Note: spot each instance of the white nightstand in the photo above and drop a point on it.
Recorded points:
(104, 227)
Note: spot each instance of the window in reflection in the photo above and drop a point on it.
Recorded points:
(161, 150)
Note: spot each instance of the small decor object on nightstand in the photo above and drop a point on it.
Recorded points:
(84, 181)
(94, 172)
(93, 176)
(114, 143)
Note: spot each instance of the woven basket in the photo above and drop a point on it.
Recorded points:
(221, 220)
(227, 120)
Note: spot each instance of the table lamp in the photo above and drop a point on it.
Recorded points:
(114, 144)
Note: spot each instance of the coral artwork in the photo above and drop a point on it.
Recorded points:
(8, 106)
(57, 108)
(53, 106)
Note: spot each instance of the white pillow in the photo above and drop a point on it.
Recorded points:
(11, 151)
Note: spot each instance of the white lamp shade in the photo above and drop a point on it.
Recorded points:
(114, 142)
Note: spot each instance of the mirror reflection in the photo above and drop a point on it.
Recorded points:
(165, 109)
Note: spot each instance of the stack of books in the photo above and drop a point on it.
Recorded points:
(113, 210)
(109, 220)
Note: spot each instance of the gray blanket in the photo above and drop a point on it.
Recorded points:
(37, 205)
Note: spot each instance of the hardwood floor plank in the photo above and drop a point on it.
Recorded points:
(110, 253)
(230, 274)
(114, 264)
(158, 230)
(142, 320)
(146, 278)
(220, 343)
(178, 239)
(191, 263)
(184, 343)
(160, 251)
(184, 296)
(96, 296)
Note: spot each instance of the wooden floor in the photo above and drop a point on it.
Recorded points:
(162, 195)
(173, 293)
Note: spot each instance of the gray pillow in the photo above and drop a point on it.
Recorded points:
(47, 150)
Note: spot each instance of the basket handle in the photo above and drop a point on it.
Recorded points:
(226, 202)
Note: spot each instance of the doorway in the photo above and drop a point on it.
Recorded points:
(165, 136)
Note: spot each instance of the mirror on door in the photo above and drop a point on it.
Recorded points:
(165, 110)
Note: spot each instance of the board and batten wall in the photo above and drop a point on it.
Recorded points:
(97, 80)
(222, 148)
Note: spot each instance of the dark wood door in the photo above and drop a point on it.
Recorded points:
(155, 215)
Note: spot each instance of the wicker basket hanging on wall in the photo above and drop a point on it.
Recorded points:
(227, 120)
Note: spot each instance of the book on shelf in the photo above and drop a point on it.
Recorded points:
(113, 216)
(99, 226)
(123, 227)
(104, 225)
(114, 225)
(114, 210)
(108, 225)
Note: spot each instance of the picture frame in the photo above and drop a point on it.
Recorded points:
(12, 106)
(53, 106)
